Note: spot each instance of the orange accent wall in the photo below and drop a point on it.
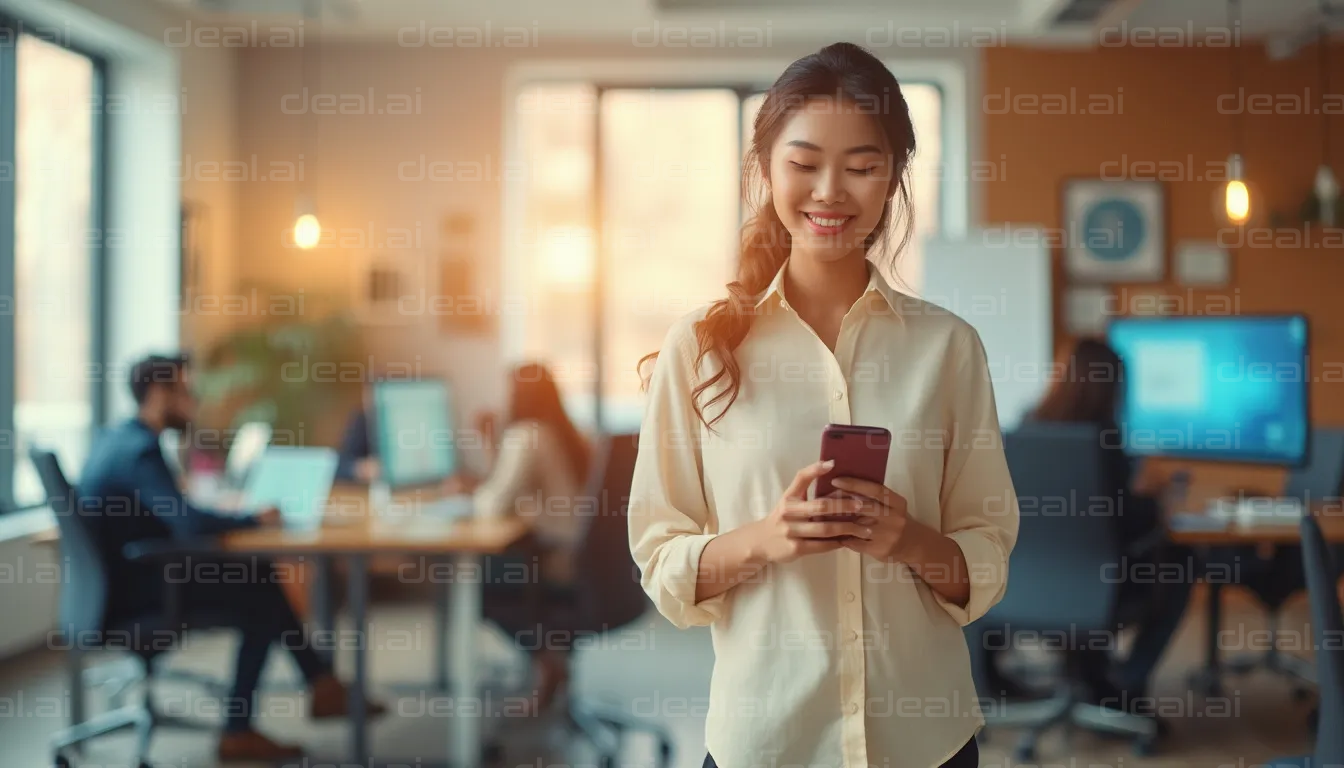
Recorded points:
(1164, 106)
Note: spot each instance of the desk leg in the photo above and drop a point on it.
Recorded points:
(321, 605)
(1212, 684)
(465, 617)
(443, 598)
(359, 587)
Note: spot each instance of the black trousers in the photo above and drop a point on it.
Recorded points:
(259, 609)
(967, 757)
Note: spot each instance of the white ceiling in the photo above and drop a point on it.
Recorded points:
(782, 19)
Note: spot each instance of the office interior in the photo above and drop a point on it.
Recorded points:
(345, 205)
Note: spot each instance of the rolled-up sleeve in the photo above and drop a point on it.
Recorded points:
(669, 517)
(979, 505)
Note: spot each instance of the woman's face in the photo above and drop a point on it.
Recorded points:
(830, 169)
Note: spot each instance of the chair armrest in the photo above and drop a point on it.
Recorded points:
(167, 549)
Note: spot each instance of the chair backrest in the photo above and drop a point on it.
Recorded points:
(1327, 630)
(84, 592)
(607, 579)
(1067, 544)
(1323, 476)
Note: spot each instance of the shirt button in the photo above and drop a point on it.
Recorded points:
(853, 635)
(839, 394)
(853, 709)
(849, 597)
(784, 304)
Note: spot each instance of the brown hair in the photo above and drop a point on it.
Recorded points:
(841, 70)
(1089, 375)
(535, 396)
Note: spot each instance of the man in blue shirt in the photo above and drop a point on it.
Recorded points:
(127, 493)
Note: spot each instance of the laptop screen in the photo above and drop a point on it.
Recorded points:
(295, 480)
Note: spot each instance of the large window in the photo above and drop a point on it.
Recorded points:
(629, 219)
(50, 260)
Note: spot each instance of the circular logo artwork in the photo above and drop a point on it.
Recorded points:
(1113, 229)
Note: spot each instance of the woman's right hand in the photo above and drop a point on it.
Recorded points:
(789, 531)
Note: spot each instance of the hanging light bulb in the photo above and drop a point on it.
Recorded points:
(1236, 196)
(1327, 194)
(1326, 186)
(307, 231)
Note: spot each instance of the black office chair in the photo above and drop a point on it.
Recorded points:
(1274, 580)
(1055, 584)
(85, 623)
(608, 596)
(1327, 629)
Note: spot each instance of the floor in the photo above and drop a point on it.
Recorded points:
(1258, 718)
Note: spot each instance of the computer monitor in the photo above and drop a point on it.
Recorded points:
(1219, 388)
(413, 431)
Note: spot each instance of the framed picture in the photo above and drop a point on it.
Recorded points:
(1203, 264)
(388, 288)
(1085, 310)
(1116, 231)
(462, 307)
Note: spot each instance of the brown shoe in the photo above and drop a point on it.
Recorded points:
(252, 747)
(330, 698)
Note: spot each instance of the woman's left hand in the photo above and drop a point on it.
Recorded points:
(883, 523)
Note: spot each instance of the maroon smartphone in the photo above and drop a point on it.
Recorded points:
(858, 451)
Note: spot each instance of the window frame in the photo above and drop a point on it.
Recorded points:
(12, 28)
(743, 77)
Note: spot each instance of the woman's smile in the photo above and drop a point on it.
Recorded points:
(826, 224)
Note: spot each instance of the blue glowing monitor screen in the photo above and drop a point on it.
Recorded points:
(1227, 389)
(414, 426)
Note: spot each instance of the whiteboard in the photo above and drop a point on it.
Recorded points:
(998, 280)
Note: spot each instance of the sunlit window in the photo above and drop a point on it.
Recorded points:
(54, 155)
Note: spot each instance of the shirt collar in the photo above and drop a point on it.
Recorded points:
(879, 294)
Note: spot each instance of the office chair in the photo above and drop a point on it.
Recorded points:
(1055, 585)
(85, 623)
(1327, 620)
(605, 596)
(1276, 579)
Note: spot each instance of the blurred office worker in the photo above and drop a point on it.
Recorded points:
(129, 494)
(1088, 389)
(537, 466)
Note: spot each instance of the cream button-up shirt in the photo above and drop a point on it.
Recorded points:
(834, 659)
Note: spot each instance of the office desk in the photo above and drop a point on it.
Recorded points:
(1234, 534)
(352, 533)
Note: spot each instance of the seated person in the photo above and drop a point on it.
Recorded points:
(129, 494)
(358, 461)
(1089, 391)
(539, 456)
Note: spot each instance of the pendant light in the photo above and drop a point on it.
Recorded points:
(307, 230)
(1326, 186)
(1236, 195)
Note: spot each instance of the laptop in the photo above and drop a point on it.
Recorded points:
(296, 480)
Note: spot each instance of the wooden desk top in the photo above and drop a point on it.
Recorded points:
(1232, 533)
(348, 527)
